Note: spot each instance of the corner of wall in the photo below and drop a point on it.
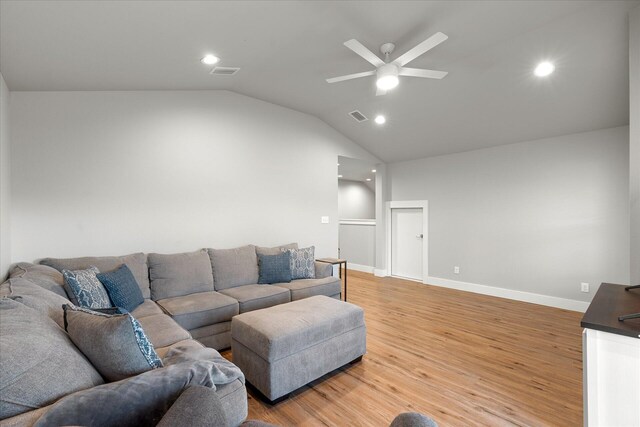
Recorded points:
(634, 142)
(5, 185)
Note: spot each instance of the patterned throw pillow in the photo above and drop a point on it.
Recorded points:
(122, 288)
(115, 344)
(84, 288)
(274, 268)
(303, 264)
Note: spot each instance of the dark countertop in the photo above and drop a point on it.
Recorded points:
(610, 302)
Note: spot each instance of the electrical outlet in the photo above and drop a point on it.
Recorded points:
(324, 219)
(456, 270)
(584, 287)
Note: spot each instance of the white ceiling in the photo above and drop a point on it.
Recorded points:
(287, 49)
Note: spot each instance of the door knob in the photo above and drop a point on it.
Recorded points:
(419, 236)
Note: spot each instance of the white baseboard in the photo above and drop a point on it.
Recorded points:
(359, 267)
(567, 304)
(380, 272)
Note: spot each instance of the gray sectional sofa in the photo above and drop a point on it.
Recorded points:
(190, 299)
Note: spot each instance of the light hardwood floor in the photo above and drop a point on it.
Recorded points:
(462, 358)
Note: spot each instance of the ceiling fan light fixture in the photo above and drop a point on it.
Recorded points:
(387, 77)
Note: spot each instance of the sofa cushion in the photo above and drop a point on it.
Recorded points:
(200, 405)
(261, 250)
(255, 297)
(116, 345)
(201, 309)
(234, 267)
(302, 263)
(43, 301)
(305, 288)
(38, 362)
(122, 288)
(162, 330)
(274, 268)
(147, 308)
(84, 288)
(179, 274)
(42, 275)
(137, 263)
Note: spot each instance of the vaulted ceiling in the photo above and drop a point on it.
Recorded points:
(286, 50)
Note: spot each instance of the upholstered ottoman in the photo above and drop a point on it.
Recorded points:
(282, 348)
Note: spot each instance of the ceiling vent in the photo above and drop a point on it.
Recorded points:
(358, 116)
(224, 71)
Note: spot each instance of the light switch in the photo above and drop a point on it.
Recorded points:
(324, 219)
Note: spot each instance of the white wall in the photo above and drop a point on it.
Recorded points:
(5, 185)
(355, 200)
(634, 142)
(358, 246)
(539, 216)
(98, 173)
(357, 241)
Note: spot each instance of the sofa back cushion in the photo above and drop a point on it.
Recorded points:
(276, 250)
(38, 362)
(179, 274)
(137, 263)
(42, 275)
(42, 300)
(234, 267)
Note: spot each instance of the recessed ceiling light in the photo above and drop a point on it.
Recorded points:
(339, 176)
(380, 119)
(544, 69)
(373, 170)
(368, 179)
(210, 59)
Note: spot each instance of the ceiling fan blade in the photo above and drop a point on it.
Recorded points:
(351, 76)
(412, 54)
(359, 48)
(380, 92)
(418, 72)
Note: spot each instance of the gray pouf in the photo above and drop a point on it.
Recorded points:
(412, 419)
(281, 348)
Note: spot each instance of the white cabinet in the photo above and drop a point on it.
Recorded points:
(611, 379)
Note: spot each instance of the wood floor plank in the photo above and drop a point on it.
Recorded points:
(462, 358)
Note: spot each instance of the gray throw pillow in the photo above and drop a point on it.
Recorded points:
(38, 362)
(303, 264)
(84, 288)
(115, 344)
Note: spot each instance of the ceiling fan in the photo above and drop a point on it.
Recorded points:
(386, 72)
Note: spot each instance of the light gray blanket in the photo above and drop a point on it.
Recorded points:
(143, 399)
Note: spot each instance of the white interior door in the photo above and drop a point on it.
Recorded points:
(406, 242)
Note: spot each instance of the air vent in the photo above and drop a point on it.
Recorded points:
(224, 71)
(358, 116)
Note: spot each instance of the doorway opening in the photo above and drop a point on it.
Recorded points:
(357, 213)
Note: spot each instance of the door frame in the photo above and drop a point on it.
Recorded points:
(410, 204)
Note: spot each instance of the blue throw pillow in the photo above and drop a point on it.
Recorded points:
(84, 288)
(274, 268)
(122, 288)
